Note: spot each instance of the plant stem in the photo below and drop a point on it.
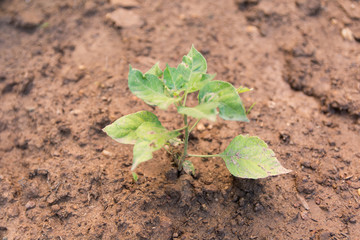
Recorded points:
(186, 141)
(185, 97)
(194, 125)
(179, 129)
(203, 156)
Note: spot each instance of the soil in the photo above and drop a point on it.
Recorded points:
(63, 77)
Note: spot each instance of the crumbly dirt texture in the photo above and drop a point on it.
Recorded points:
(63, 77)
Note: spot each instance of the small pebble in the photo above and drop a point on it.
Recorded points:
(30, 205)
(347, 34)
(304, 215)
(258, 207)
(81, 67)
(55, 208)
(13, 212)
(200, 127)
(76, 112)
(107, 153)
(358, 191)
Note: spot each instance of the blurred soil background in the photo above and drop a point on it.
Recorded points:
(63, 77)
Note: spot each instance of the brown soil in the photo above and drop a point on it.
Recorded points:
(63, 77)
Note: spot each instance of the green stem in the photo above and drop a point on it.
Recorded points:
(185, 97)
(181, 128)
(186, 137)
(186, 141)
(194, 125)
(203, 156)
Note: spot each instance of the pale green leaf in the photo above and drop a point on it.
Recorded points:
(196, 61)
(193, 69)
(142, 152)
(150, 89)
(196, 85)
(204, 110)
(250, 157)
(189, 167)
(124, 129)
(223, 93)
(242, 89)
(159, 135)
(155, 70)
(173, 79)
(151, 137)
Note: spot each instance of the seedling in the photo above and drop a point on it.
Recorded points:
(245, 157)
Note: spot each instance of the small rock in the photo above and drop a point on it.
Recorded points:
(13, 212)
(308, 164)
(125, 3)
(107, 153)
(200, 127)
(55, 208)
(258, 207)
(304, 185)
(358, 191)
(30, 205)
(347, 34)
(29, 19)
(304, 215)
(122, 18)
(76, 112)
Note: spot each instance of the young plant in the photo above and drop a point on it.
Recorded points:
(245, 157)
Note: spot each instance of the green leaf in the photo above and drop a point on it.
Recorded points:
(124, 129)
(173, 79)
(242, 89)
(250, 157)
(193, 68)
(189, 167)
(204, 110)
(142, 152)
(223, 93)
(202, 82)
(155, 70)
(155, 133)
(150, 89)
(151, 137)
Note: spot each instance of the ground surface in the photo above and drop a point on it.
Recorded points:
(63, 76)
